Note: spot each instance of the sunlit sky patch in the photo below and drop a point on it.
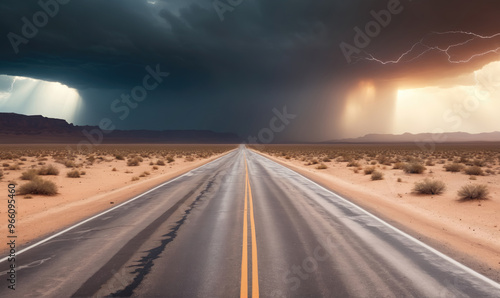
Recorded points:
(35, 97)
(469, 108)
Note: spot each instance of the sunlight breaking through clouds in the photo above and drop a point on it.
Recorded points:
(471, 107)
(36, 97)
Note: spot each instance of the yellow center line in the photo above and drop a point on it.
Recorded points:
(244, 258)
(255, 267)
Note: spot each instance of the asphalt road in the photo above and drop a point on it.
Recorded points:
(239, 226)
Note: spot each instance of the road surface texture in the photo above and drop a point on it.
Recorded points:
(241, 225)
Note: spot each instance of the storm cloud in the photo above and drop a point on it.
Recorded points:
(228, 75)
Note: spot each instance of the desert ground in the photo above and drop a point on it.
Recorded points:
(56, 188)
(383, 179)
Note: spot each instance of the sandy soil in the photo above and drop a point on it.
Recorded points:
(100, 188)
(467, 231)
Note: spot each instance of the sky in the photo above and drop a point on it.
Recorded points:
(331, 69)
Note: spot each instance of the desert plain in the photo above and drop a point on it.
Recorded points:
(448, 197)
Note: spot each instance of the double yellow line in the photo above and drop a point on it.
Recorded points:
(244, 257)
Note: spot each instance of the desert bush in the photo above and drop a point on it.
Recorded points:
(398, 166)
(490, 172)
(155, 167)
(73, 174)
(170, 159)
(314, 161)
(133, 162)
(14, 167)
(69, 163)
(479, 163)
(48, 170)
(135, 178)
(429, 187)
(413, 168)
(114, 170)
(473, 192)
(189, 158)
(326, 159)
(119, 157)
(373, 162)
(353, 163)
(369, 170)
(160, 163)
(453, 167)
(376, 175)
(5, 165)
(474, 170)
(321, 166)
(83, 173)
(29, 175)
(430, 163)
(1, 174)
(91, 159)
(400, 180)
(38, 186)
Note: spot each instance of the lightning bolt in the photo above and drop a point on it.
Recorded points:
(421, 48)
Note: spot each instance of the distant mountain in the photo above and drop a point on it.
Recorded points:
(21, 129)
(449, 137)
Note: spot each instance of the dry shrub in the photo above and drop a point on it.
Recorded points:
(429, 187)
(119, 157)
(48, 170)
(369, 170)
(414, 168)
(170, 159)
(14, 167)
(38, 186)
(69, 163)
(376, 175)
(321, 166)
(73, 174)
(135, 178)
(454, 167)
(398, 166)
(474, 170)
(134, 161)
(29, 175)
(353, 163)
(473, 192)
(1, 174)
(160, 163)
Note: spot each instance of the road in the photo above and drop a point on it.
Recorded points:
(241, 225)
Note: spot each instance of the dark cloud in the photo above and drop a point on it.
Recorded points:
(228, 75)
